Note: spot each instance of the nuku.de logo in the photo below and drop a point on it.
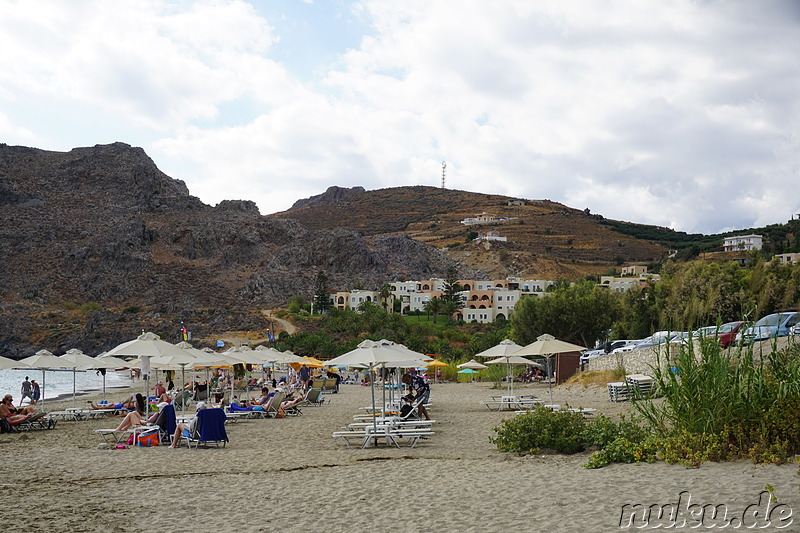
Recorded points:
(683, 513)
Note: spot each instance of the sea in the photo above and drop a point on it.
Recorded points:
(58, 383)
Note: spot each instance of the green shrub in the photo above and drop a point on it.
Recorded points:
(562, 431)
(89, 307)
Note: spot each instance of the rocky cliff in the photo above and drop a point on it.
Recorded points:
(103, 226)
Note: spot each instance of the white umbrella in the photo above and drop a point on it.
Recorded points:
(44, 360)
(372, 354)
(82, 361)
(505, 347)
(145, 346)
(509, 360)
(5, 362)
(472, 364)
(547, 346)
(104, 363)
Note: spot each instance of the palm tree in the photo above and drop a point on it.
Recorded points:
(433, 306)
(384, 293)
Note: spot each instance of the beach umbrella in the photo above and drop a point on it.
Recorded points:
(145, 346)
(505, 347)
(472, 364)
(436, 363)
(373, 355)
(5, 362)
(43, 360)
(510, 360)
(176, 361)
(547, 346)
(104, 363)
(82, 361)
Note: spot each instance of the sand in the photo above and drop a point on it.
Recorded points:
(290, 474)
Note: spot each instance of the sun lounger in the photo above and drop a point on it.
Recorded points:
(36, 422)
(209, 429)
(390, 435)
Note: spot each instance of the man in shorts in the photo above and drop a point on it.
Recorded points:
(26, 391)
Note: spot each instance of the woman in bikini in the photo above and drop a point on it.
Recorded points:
(11, 414)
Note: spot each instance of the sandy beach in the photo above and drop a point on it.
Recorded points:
(290, 474)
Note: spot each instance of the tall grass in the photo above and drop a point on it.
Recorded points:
(735, 394)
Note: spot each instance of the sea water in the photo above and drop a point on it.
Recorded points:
(58, 383)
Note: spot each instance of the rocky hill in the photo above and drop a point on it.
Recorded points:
(97, 244)
(545, 240)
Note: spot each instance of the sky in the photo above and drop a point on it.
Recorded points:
(683, 114)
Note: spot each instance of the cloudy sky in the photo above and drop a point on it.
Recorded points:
(679, 113)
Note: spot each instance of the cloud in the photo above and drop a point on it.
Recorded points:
(682, 114)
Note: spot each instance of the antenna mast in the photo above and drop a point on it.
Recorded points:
(444, 172)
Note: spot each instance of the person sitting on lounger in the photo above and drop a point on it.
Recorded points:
(176, 438)
(136, 418)
(421, 390)
(262, 400)
(11, 414)
(17, 410)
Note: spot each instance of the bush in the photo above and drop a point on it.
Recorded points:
(561, 431)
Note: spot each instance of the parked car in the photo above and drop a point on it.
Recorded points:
(774, 325)
(727, 333)
(656, 339)
(609, 348)
(628, 346)
(795, 330)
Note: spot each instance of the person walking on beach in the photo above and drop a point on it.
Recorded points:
(26, 391)
(36, 392)
(305, 375)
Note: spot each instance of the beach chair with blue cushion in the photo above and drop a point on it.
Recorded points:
(166, 423)
(209, 429)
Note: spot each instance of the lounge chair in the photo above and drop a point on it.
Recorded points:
(181, 398)
(314, 397)
(35, 422)
(329, 385)
(209, 429)
(166, 423)
(201, 392)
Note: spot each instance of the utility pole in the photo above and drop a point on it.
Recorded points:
(444, 172)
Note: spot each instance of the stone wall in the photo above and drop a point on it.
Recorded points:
(634, 362)
(642, 361)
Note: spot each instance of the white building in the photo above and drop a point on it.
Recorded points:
(743, 243)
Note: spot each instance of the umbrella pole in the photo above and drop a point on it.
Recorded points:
(43, 386)
(550, 379)
(104, 386)
(183, 403)
(74, 372)
(374, 414)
